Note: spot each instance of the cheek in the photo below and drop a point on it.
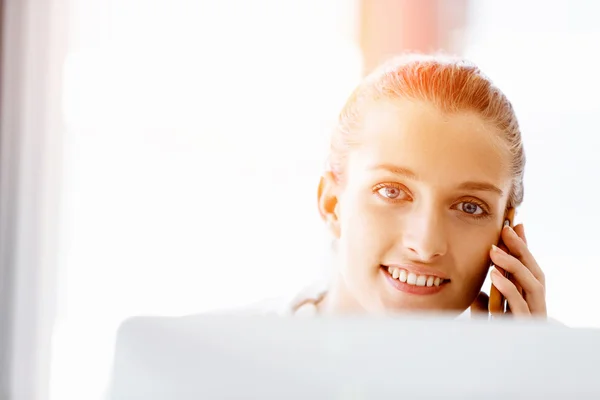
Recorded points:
(472, 254)
(365, 228)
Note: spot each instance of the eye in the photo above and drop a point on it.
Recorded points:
(470, 208)
(391, 193)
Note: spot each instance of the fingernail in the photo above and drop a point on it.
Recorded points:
(495, 273)
(497, 249)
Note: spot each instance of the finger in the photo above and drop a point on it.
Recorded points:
(496, 300)
(535, 293)
(479, 306)
(512, 265)
(518, 305)
(512, 278)
(502, 246)
(518, 248)
(520, 231)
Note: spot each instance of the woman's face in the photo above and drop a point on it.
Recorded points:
(424, 193)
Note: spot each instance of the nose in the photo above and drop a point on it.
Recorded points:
(424, 235)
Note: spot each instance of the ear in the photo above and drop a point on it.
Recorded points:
(328, 202)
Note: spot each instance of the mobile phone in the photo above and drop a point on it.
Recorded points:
(497, 302)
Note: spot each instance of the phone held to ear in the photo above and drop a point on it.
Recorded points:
(497, 302)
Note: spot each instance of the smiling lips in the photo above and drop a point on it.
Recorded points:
(413, 279)
(412, 282)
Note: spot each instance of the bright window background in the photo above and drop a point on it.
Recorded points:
(545, 57)
(197, 131)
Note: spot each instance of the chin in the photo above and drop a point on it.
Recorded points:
(409, 304)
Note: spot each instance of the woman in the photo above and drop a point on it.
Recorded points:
(425, 165)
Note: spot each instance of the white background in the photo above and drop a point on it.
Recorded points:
(197, 132)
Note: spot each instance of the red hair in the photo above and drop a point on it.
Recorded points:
(453, 85)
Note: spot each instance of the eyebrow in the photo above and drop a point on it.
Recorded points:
(471, 185)
(481, 187)
(397, 170)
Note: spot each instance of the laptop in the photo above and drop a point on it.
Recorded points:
(409, 357)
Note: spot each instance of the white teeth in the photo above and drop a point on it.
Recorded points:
(411, 279)
(403, 275)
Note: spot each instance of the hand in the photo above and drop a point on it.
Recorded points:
(525, 291)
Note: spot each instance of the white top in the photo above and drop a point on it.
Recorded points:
(302, 304)
(305, 303)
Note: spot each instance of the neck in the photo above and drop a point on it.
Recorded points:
(338, 299)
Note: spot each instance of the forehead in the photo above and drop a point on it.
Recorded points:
(443, 147)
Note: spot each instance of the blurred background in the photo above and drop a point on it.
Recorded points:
(162, 156)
